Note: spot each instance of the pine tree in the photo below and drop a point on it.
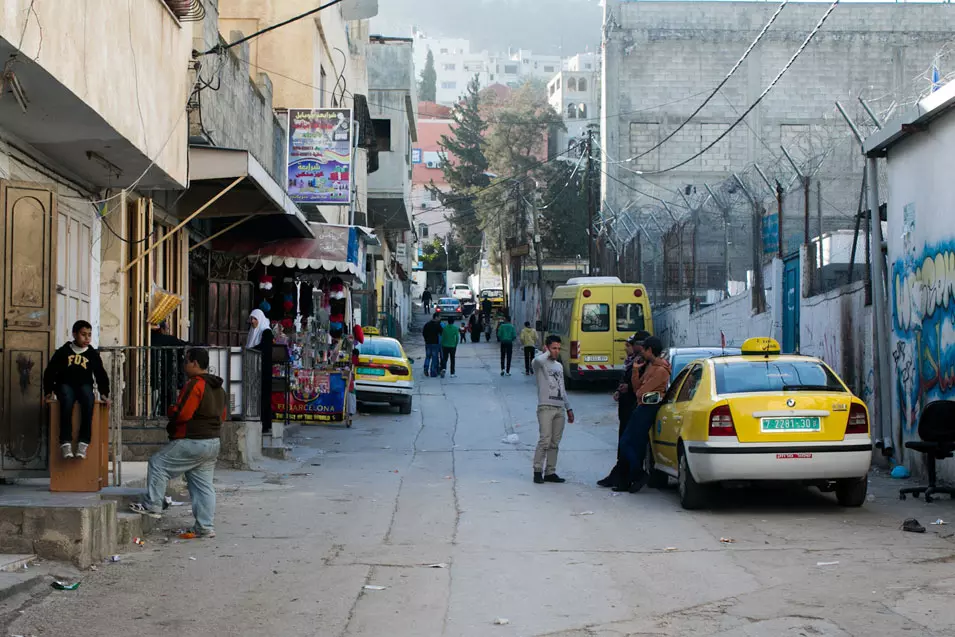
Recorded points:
(428, 88)
(465, 171)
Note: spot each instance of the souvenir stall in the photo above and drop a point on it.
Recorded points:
(304, 288)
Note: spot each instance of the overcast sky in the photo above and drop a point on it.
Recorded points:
(545, 26)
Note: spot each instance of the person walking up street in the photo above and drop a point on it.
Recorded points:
(626, 401)
(69, 376)
(636, 436)
(552, 402)
(506, 334)
(529, 341)
(432, 345)
(426, 299)
(449, 345)
(194, 425)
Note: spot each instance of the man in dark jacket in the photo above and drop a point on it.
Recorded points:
(432, 345)
(626, 402)
(194, 424)
(69, 376)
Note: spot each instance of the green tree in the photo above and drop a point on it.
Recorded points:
(428, 87)
(465, 172)
(434, 257)
(522, 124)
(563, 218)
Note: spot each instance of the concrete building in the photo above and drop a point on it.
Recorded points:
(659, 56)
(575, 95)
(306, 61)
(430, 216)
(393, 102)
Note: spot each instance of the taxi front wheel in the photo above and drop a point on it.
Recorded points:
(693, 495)
(852, 493)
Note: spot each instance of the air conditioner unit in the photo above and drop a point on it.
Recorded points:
(424, 206)
(430, 164)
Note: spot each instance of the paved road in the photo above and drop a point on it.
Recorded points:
(385, 500)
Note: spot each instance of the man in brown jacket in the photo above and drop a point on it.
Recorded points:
(636, 437)
(194, 424)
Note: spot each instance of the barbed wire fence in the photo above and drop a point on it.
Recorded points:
(710, 241)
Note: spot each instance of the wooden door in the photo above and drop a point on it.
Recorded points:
(27, 249)
(230, 304)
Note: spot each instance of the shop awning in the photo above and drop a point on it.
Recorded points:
(258, 203)
(334, 249)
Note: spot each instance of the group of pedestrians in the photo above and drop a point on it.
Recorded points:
(441, 339)
(646, 373)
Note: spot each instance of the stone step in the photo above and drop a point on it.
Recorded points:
(15, 562)
(67, 527)
(15, 583)
(131, 525)
(124, 496)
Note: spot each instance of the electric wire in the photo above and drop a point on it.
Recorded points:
(719, 86)
(802, 47)
(225, 47)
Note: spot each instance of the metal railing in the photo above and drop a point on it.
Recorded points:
(146, 381)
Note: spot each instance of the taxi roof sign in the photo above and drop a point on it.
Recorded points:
(370, 330)
(760, 346)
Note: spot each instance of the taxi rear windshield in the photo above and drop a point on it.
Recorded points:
(375, 347)
(740, 377)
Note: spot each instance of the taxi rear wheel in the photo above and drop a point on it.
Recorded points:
(405, 408)
(692, 494)
(655, 479)
(852, 493)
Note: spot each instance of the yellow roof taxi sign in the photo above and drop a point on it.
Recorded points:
(370, 330)
(760, 346)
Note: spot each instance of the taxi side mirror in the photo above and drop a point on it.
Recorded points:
(411, 361)
(652, 398)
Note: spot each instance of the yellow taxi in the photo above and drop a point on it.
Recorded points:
(760, 416)
(384, 373)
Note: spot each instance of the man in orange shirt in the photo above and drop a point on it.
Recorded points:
(194, 424)
(636, 436)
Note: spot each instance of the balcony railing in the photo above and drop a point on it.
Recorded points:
(187, 10)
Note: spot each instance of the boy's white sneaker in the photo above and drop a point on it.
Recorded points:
(81, 450)
(67, 450)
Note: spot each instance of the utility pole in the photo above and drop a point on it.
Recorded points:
(590, 202)
(500, 240)
(535, 215)
(726, 239)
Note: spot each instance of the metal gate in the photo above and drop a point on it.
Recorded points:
(791, 300)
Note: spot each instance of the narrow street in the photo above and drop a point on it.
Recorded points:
(440, 513)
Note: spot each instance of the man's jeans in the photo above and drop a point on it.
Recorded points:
(432, 359)
(636, 437)
(196, 459)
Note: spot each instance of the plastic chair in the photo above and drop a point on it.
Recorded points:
(937, 442)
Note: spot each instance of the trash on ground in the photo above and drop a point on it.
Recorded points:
(93, 567)
(501, 621)
(912, 526)
(727, 540)
(827, 563)
(115, 558)
(300, 475)
(372, 587)
(394, 471)
(187, 535)
(939, 522)
(511, 439)
(497, 454)
(439, 565)
(670, 549)
(63, 586)
(899, 472)
(173, 503)
(192, 558)
(583, 513)
(614, 494)
(870, 498)
(139, 541)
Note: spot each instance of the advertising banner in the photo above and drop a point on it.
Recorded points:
(319, 155)
(315, 396)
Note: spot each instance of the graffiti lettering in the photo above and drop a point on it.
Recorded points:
(923, 289)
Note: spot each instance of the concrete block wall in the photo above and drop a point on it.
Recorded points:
(661, 55)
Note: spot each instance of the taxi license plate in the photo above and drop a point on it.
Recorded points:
(789, 424)
(371, 371)
(596, 359)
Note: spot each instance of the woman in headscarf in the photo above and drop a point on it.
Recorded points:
(260, 338)
(626, 402)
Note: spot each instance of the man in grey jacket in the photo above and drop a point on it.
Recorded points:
(551, 404)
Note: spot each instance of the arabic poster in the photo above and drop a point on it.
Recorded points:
(319, 155)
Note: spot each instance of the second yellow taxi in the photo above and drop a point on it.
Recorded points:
(760, 416)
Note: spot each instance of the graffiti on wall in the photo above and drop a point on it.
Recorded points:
(923, 320)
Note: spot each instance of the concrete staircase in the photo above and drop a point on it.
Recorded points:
(80, 528)
(143, 439)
